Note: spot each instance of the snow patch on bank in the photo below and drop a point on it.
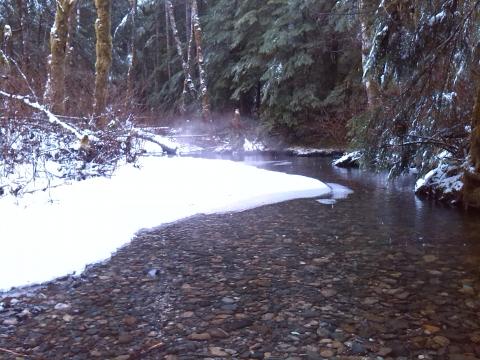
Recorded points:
(351, 159)
(444, 180)
(253, 146)
(306, 151)
(56, 232)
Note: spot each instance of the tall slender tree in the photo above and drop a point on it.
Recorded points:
(21, 12)
(368, 80)
(188, 82)
(167, 40)
(55, 89)
(103, 60)
(471, 178)
(133, 54)
(197, 31)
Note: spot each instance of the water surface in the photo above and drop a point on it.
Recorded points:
(384, 209)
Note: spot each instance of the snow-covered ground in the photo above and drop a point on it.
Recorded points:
(47, 234)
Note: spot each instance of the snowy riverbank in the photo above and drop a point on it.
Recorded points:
(56, 232)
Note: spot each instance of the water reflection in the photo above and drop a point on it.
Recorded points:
(380, 208)
(383, 208)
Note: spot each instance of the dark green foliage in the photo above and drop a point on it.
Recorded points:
(281, 61)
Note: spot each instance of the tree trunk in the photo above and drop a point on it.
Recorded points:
(55, 89)
(7, 40)
(197, 30)
(157, 48)
(188, 32)
(185, 65)
(71, 88)
(475, 136)
(371, 86)
(167, 40)
(133, 55)
(104, 59)
(188, 22)
(189, 42)
(21, 33)
(471, 178)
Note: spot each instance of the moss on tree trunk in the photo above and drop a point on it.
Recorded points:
(104, 59)
(55, 91)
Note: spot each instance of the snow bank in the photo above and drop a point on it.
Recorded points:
(443, 183)
(348, 160)
(49, 234)
(253, 146)
(306, 151)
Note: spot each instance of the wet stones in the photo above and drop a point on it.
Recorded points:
(440, 341)
(429, 258)
(125, 338)
(328, 292)
(10, 322)
(130, 320)
(232, 287)
(62, 307)
(218, 333)
(431, 329)
(200, 336)
(237, 324)
(218, 351)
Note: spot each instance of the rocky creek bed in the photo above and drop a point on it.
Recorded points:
(294, 280)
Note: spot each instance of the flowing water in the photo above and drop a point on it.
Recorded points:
(407, 270)
(383, 208)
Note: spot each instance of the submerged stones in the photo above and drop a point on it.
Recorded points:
(232, 287)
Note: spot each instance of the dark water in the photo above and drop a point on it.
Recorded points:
(386, 210)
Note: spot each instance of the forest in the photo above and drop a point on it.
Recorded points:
(395, 79)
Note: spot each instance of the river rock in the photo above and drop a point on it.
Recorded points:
(10, 322)
(217, 351)
(441, 340)
(328, 292)
(327, 353)
(62, 306)
(199, 336)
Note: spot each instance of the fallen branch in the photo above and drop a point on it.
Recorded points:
(156, 346)
(52, 118)
(24, 77)
(12, 352)
(167, 149)
(139, 354)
